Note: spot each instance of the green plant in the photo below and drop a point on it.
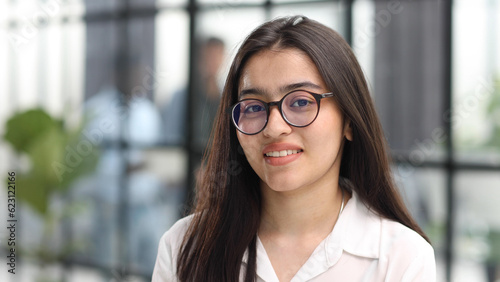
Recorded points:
(55, 162)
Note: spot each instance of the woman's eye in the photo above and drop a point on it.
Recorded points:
(300, 103)
(254, 109)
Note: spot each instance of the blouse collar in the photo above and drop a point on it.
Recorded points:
(357, 232)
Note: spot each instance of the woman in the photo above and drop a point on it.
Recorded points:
(297, 185)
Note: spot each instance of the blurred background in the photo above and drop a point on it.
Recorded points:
(106, 109)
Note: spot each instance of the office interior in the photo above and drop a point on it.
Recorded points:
(106, 109)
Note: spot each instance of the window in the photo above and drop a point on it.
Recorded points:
(132, 75)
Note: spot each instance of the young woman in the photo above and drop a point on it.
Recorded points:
(297, 185)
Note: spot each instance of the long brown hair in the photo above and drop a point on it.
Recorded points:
(227, 212)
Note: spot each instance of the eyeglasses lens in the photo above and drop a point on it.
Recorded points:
(250, 116)
(299, 108)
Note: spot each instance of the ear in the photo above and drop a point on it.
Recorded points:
(348, 130)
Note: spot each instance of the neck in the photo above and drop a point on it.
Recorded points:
(305, 211)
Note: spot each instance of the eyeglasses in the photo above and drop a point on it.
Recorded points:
(298, 108)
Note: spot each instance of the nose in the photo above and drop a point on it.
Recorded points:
(276, 125)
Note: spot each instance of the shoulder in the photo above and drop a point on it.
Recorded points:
(168, 251)
(406, 253)
(401, 253)
(175, 234)
(396, 237)
(372, 235)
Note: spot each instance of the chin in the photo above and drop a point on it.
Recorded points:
(282, 190)
(283, 186)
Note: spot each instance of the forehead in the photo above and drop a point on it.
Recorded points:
(272, 70)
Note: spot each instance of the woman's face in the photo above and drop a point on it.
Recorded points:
(316, 149)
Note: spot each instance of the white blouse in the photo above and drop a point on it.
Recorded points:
(361, 247)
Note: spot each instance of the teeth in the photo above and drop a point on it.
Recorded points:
(284, 153)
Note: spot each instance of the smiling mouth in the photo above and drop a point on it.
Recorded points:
(284, 153)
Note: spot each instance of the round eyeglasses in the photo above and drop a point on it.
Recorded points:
(298, 108)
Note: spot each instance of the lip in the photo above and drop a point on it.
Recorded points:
(275, 161)
(279, 147)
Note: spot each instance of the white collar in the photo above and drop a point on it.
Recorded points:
(360, 229)
(357, 232)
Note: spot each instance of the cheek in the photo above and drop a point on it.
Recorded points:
(325, 141)
(327, 132)
(242, 140)
(246, 143)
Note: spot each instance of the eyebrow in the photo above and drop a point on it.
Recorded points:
(283, 89)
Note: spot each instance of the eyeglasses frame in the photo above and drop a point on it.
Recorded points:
(268, 105)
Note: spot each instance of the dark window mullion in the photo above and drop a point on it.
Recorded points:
(190, 143)
(447, 10)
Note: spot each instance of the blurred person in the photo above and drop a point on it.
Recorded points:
(297, 185)
(207, 96)
(122, 108)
